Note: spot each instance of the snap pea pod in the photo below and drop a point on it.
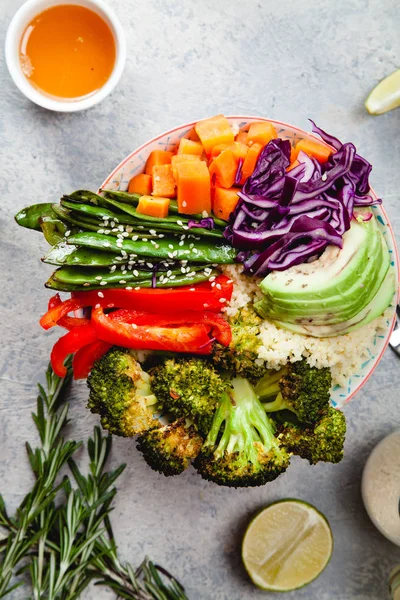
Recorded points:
(165, 248)
(95, 212)
(173, 222)
(53, 229)
(85, 196)
(54, 284)
(30, 216)
(91, 225)
(173, 205)
(64, 254)
(79, 275)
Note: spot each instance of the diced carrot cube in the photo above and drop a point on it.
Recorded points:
(180, 158)
(194, 188)
(140, 184)
(250, 161)
(163, 181)
(225, 202)
(213, 131)
(224, 166)
(313, 148)
(261, 132)
(241, 137)
(190, 147)
(153, 207)
(157, 158)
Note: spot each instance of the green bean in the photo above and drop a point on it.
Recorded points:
(180, 279)
(165, 248)
(30, 216)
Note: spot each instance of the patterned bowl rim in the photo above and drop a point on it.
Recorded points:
(191, 124)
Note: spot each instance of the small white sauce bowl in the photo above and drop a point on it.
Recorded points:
(20, 21)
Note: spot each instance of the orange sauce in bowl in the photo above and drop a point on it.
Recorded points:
(68, 51)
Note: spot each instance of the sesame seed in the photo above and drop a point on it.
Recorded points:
(137, 288)
(114, 230)
(205, 305)
(134, 326)
(191, 245)
(118, 258)
(153, 231)
(169, 273)
(181, 243)
(106, 244)
(192, 289)
(122, 281)
(99, 278)
(185, 227)
(180, 222)
(218, 286)
(86, 284)
(104, 218)
(128, 288)
(230, 281)
(183, 270)
(136, 273)
(192, 274)
(213, 284)
(132, 256)
(204, 214)
(67, 233)
(172, 276)
(183, 236)
(212, 278)
(156, 245)
(119, 236)
(97, 305)
(121, 228)
(170, 246)
(145, 240)
(103, 282)
(150, 265)
(195, 250)
(100, 231)
(170, 255)
(124, 272)
(184, 203)
(140, 227)
(129, 228)
(161, 235)
(125, 234)
(135, 238)
(112, 269)
(222, 300)
(124, 254)
(112, 223)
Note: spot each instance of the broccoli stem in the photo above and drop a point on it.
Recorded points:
(277, 404)
(268, 386)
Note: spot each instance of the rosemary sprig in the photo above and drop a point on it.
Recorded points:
(61, 533)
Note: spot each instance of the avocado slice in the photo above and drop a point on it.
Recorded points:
(373, 310)
(333, 289)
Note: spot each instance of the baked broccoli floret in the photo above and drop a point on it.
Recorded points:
(189, 388)
(120, 393)
(170, 448)
(302, 389)
(240, 358)
(322, 442)
(241, 448)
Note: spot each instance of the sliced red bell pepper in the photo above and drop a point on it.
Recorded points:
(221, 330)
(190, 338)
(58, 309)
(210, 296)
(70, 343)
(85, 358)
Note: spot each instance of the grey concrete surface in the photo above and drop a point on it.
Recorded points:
(286, 60)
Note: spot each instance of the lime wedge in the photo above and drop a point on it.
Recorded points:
(385, 96)
(286, 546)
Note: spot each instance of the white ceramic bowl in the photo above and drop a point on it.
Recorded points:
(21, 19)
(134, 164)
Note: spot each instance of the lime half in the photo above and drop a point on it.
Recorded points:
(286, 546)
(385, 96)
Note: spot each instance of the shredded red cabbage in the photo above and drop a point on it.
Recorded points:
(285, 218)
(206, 223)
